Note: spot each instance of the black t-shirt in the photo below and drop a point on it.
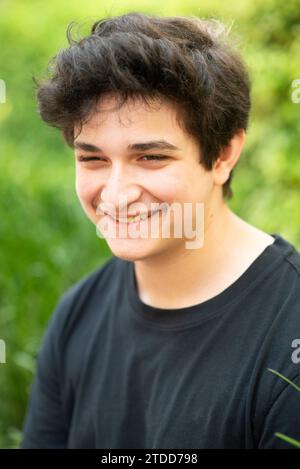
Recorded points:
(113, 372)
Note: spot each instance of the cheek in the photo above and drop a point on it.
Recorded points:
(87, 189)
(198, 184)
(183, 184)
(85, 184)
(167, 186)
(163, 189)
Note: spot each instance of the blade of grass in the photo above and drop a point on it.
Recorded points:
(292, 441)
(285, 379)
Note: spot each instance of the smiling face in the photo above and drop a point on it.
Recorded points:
(115, 159)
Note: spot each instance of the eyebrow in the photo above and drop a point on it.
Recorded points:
(141, 146)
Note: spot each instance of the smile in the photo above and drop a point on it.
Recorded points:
(133, 219)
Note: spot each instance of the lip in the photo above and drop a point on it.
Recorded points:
(125, 220)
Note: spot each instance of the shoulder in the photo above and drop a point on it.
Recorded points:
(279, 322)
(284, 290)
(288, 279)
(288, 265)
(72, 303)
(293, 259)
(97, 278)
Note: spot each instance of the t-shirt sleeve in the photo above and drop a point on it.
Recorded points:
(283, 417)
(45, 423)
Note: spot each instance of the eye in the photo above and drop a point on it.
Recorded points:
(154, 157)
(89, 158)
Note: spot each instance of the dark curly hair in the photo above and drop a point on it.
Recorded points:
(185, 60)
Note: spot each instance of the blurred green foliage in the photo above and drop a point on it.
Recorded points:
(47, 243)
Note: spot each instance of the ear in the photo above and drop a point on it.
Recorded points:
(228, 158)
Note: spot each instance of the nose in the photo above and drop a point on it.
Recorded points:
(119, 191)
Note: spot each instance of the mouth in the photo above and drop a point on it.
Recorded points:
(132, 219)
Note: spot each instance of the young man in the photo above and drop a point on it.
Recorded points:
(167, 345)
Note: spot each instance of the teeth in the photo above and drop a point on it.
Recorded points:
(143, 216)
(136, 218)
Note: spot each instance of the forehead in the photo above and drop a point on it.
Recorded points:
(155, 118)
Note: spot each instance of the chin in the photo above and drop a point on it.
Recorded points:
(142, 249)
(134, 250)
(130, 251)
